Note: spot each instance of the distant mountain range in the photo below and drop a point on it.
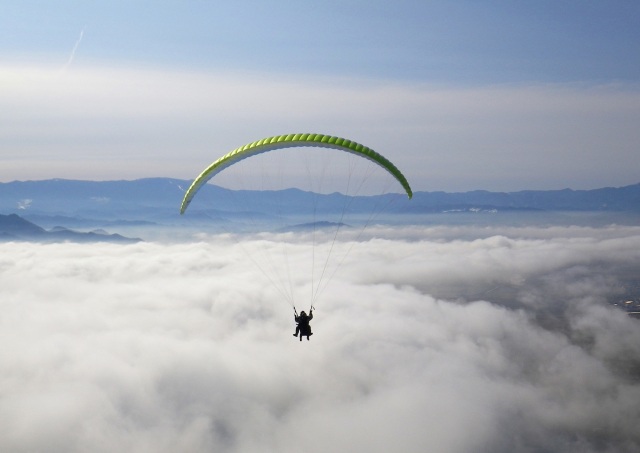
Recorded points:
(156, 201)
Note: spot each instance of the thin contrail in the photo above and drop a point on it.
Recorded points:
(75, 47)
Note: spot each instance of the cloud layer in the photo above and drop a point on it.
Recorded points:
(102, 122)
(504, 336)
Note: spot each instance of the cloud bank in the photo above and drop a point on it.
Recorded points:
(103, 122)
(491, 341)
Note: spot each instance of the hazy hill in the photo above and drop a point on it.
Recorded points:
(15, 228)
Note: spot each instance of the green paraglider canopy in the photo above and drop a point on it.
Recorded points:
(288, 141)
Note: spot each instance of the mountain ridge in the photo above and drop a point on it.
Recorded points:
(158, 199)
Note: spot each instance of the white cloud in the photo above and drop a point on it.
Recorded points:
(110, 123)
(24, 204)
(185, 347)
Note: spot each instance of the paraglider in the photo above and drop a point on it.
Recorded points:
(277, 142)
(287, 141)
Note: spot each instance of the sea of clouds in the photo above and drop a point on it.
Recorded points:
(451, 339)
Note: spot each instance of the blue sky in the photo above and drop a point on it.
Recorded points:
(496, 95)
